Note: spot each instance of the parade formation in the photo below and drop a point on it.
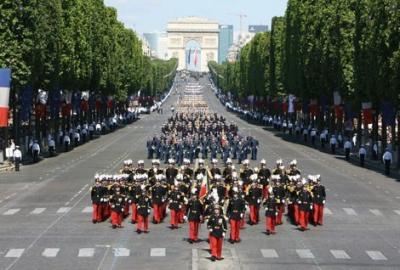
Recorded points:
(201, 184)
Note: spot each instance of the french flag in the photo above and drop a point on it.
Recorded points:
(5, 80)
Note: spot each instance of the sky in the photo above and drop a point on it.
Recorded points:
(152, 15)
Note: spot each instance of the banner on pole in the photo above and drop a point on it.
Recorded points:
(5, 82)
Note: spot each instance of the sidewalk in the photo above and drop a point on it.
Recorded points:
(374, 165)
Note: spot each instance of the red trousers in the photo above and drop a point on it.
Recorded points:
(143, 223)
(270, 223)
(281, 211)
(242, 222)
(97, 213)
(157, 212)
(303, 219)
(194, 230)
(174, 217)
(107, 210)
(235, 229)
(318, 213)
(134, 212)
(116, 218)
(216, 246)
(254, 210)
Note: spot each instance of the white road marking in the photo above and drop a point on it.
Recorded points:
(38, 211)
(15, 253)
(269, 253)
(376, 212)
(350, 211)
(87, 209)
(340, 254)
(10, 212)
(327, 211)
(50, 252)
(305, 254)
(86, 252)
(195, 259)
(157, 252)
(376, 255)
(397, 212)
(62, 210)
(121, 252)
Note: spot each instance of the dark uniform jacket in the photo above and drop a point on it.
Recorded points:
(194, 210)
(270, 207)
(143, 205)
(254, 196)
(97, 193)
(319, 194)
(158, 194)
(304, 200)
(217, 225)
(117, 203)
(236, 207)
(176, 200)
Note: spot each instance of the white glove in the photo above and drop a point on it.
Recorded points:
(210, 230)
(323, 201)
(241, 215)
(311, 207)
(148, 211)
(180, 206)
(185, 218)
(223, 234)
(283, 201)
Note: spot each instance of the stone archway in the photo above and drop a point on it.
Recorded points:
(191, 33)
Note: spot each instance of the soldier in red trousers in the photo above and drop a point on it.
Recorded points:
(117, 202)
(143, 211)
(254, 198)
(158, 195)
(97, 192)
(217, 227)
(194, 212)
(235, 212)
(319, 197)
(271, 212)
(304, 200)
(176, 200)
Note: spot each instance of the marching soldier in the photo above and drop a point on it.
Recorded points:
(319, 197)
(194, 212)
(201, 169)
(158, 193)
(254, 198)
(271, 212)
(235, 212)
(117, 205)
(176, 200)
(279, 194)
(304, 201)
(264, 175)
(143, 211)
(217, 228)
(245, 173)
(96, 193)
(171, 172)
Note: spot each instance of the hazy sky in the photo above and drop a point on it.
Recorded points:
(153, 15)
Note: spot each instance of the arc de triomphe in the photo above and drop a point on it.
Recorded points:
(194, 42)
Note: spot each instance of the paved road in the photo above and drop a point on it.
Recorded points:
(45, 219)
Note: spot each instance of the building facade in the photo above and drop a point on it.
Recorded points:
(225, 42)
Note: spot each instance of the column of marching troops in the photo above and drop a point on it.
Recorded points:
(197, 193)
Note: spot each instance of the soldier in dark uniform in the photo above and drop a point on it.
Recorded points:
(96, 193)
(304, 201)
(279, 193)
(214, 169)
(271, 213)
(194, 212)
(227, 172)
(217, 227)
(143, 211)
(176, 200)
(171, 172)
(158, 195)
(134, 190)
(319, 197)
(117, 205)
(245, 173)
(201, 169)
(254, 198)
(235, 212)
(264, 175)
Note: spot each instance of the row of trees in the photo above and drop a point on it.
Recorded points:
(321, 49)
(75, 45)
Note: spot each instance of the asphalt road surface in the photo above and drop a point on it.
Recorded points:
(45, 213)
